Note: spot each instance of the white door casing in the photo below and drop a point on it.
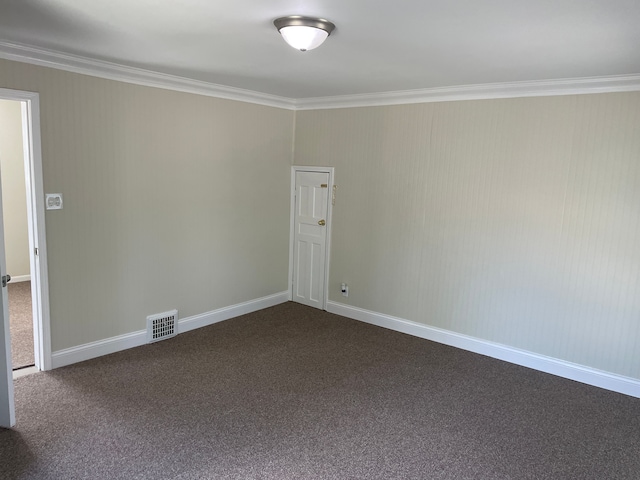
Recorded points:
(7, 408)
(36, 223)
(38, 246)
(311, 221)
(36, 226)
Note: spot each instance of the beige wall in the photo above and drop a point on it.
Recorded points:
(170, 200)
(14, 195)
(515, 221)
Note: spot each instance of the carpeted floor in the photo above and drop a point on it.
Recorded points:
(21, 324)
(291, 392)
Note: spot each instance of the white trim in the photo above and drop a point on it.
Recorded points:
(292, 223)
(546, 88)
(21, 278)
(37, 233)
(209, 318)
(36, 222)
(331, 171)
(107, 346)
(23, 372)
(138, 76)
(91, 350)
(554, 366)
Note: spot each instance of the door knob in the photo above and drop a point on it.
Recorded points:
(321, 223)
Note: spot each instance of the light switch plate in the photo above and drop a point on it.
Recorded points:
(53, 201)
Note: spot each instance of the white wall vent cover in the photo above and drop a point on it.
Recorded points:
(162, 325)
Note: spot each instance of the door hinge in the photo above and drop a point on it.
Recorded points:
(35, 251)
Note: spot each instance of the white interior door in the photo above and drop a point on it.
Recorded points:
(7, 408)
(310, 238)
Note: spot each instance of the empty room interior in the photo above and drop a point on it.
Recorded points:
(408, 252)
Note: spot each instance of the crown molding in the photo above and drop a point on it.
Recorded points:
(546, 88)
(138, 76)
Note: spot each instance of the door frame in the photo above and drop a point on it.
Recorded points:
(30, 102)
(330, 200)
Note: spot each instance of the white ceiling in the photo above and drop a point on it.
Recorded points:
(378, 45)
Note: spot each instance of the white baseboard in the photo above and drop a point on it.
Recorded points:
(136, 339)
(91, 350)
(226, 313)
(21, 278)
(554, 366)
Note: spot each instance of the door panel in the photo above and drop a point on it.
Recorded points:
(310, 238)
(7, 409)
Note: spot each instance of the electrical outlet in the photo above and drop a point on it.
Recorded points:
(53, 201)
(344, 289)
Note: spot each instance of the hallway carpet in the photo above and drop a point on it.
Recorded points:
(21, 324)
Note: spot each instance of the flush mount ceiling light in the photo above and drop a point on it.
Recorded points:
(304, 33)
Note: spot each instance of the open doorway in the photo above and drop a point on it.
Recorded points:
(16, 234)
(21, 325)
(23, 230)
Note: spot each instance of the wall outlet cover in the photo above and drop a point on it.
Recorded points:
(53, 201)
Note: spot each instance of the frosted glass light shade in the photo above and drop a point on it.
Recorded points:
(304, 33)
(303, 38)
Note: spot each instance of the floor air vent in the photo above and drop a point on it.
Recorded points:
(162, 325)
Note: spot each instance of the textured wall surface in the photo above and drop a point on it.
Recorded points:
(515, 221)
(171, 200)
(14, 194)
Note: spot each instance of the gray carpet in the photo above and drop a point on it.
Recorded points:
(292, 392)
(21, 324)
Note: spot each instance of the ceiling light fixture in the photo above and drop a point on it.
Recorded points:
(304, 33)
